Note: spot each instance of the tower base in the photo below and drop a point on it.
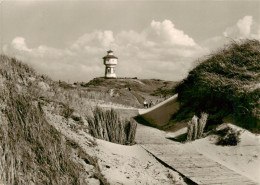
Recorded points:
(113, 75)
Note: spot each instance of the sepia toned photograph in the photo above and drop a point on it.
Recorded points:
(129, 92)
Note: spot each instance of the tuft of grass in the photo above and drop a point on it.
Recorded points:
(107, 125)
(202, 124)
(192, 128)
(196, 127)
(225, 84)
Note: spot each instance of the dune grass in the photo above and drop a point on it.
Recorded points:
(196, 127)
(31, 150)
(107, 125)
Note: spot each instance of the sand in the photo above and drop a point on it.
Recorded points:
(243, 158)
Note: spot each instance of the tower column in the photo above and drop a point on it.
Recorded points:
(110, 62)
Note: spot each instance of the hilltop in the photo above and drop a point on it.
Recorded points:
(129, 91)
(226, 86)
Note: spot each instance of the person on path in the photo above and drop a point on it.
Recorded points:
(150, 103)
(145, 104)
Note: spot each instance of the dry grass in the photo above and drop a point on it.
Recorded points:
(196, 127)
(202, 124)
(31, 150)
(107, 125)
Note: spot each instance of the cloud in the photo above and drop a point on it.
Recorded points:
(244, 28)
(64, 64)
(244, 25)
(167, 33)
(95, 39)
(158, 51)
(19, 44)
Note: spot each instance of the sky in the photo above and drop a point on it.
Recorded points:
(66, 39)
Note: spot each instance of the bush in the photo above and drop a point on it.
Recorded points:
(107, 125)
(195, 128)
(228, 137)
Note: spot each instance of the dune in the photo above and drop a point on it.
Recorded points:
(160, 114)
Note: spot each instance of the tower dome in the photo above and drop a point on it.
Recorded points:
(110, 61)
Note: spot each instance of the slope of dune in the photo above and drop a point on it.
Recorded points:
(225, 85)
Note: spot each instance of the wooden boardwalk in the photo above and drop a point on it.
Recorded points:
(186, 160)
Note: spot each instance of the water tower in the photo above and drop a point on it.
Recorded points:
(110, 61)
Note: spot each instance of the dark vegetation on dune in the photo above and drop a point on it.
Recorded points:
(228, 137)
(226, 86)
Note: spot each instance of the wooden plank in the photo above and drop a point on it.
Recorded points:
(196, 166)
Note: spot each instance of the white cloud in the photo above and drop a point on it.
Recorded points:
(168, 34)
(94, 39)
(244, 25)
(159, 51)
(65, 64)
(244, 28)
(19, 44)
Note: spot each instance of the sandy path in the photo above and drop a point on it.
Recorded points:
(118, 164)
(185, 159)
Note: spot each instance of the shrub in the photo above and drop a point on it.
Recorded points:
(228, 137)
(196, 128)
(107, 125)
